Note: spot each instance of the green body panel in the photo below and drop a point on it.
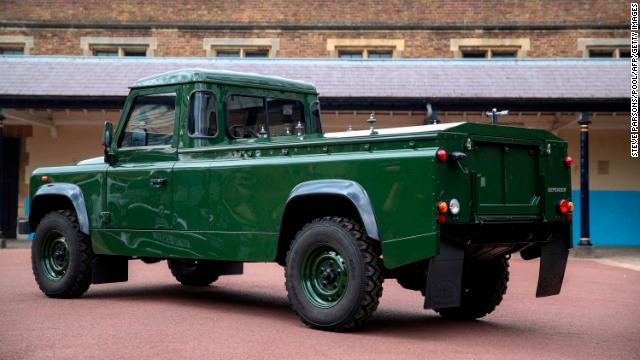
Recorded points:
(225, 198)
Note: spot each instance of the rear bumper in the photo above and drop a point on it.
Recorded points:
(24, 228)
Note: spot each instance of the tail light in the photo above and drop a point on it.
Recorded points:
(565, 207)
(441, 155)
(442, 207)
(568, 161)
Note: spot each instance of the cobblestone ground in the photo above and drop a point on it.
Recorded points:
(152, 317)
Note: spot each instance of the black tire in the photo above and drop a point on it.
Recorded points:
(483, 287)
(193, 272)
(75, 279)
(362, 284)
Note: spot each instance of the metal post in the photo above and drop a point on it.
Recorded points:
(3, 243)
(584, 122)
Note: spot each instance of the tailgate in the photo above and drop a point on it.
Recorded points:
(507, 179)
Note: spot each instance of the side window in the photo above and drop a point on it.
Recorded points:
(246, 116)
(202, 114)
(150, 121)
(284, 116)
(316, 126)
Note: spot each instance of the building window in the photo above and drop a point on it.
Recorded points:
(240, 52)
(490, 48)
(605, 48)
(118, 46)
(15, 45)
(365, 48)
(234, 48)
(365, 53)
(609, 52)
(489, 53)
(119, 51)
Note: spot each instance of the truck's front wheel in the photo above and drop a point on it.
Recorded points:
(61, 256)
(483, 287)
(333, 274)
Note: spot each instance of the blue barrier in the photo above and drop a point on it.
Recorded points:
(614, 217)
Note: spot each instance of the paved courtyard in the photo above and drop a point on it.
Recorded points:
(597, 316)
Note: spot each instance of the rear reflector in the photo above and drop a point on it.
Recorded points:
(441, 155)
(441, 219)
(570, 217)
(568, 161)
(563, 206)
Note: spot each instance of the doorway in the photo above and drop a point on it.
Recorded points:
(9, 187)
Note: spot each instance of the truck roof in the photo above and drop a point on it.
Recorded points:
(225, 77)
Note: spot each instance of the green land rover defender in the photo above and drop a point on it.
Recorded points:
(211, 169)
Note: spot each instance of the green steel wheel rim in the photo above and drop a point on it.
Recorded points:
(55, 256)
(324, 276)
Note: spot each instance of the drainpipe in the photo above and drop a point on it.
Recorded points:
(585, 239)
(3, 244)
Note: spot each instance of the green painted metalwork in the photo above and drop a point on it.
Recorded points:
(224, 198)
(55, 256)
(325, 276)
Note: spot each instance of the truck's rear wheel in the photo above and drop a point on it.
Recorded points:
(61, 256)
(483, 287)
(333, 274)
(193, 272)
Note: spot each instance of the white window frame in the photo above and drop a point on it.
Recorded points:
(614, 44)
(212, 45)
(16, 42)
(91, 43)
(521, 46)
(395, 46)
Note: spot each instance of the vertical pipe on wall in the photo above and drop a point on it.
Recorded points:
(585, 239)
(2, 208)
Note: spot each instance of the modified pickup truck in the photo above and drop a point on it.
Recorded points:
(211, 169)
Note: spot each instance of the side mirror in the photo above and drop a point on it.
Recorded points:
(107, 139)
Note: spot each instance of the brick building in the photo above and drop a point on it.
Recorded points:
(59, 119)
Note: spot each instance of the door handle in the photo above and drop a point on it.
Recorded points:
(157, 182)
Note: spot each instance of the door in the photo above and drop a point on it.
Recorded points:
(508, 179)
(139, 180)
(9, 187)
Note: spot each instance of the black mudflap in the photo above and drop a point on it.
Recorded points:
(553, 262)
(110, 269)
(444, 277)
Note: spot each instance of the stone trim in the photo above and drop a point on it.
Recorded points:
(522, 45)
(585, 43)
(210, 44)
(25, 41)
(395, 45)
(86, 42)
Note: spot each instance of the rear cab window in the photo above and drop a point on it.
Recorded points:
(252, 117)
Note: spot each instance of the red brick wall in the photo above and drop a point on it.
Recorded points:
(418, 44)
(315, 11)
(313, 43)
